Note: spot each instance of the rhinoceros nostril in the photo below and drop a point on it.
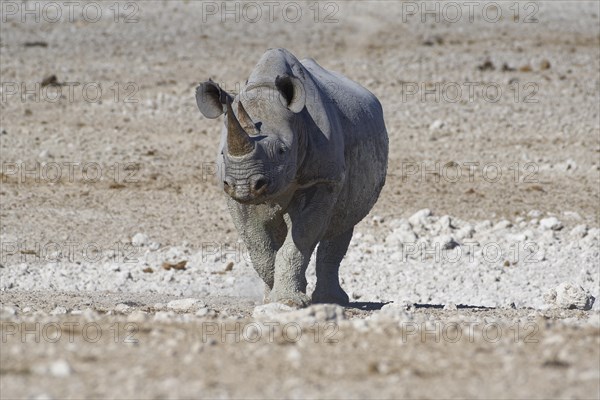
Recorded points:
(260, 184)
(228, 183)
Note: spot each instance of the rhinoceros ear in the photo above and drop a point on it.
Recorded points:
(211, 99)
(292, 90)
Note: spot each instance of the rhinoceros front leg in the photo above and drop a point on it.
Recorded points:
(263, 231)
(307, 218)
(329, 256)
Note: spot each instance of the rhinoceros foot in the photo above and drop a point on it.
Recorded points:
(335, 295)
(292, 299)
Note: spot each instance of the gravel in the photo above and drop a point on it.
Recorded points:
(520, 253)
(424, 259)
(307, 316)
(185, 305)
(569, 295)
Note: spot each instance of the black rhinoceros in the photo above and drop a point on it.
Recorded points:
(303, 158)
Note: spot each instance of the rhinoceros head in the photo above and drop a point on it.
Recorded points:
(261, 142)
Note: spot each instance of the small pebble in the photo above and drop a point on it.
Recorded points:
(551, 223)
(60, 369)
(139, 239)
(450, 306)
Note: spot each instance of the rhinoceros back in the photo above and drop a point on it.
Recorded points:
(360, 121)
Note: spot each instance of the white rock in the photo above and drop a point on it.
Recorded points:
(534, 214)
(551, 223)
(400, 237)
(547, 238)
(528, 234)
(483, 226)
(90, 315)
(58, 311)
(419, 218)
(361, 325)
(573, 215)
(6, 311)
(504, 224)
(294, 356)
(139, 239)
(42, 396)
(395, 311)
(435, 125)
(569, 295)
(303, 316)
(320, 313)
(450, 306)
(175, 253)
(60, 369)
(444, 223)
(137, 316)
(579, 231)
(466, 232)
(516, 237)
(203, 312)
(184, 305)
(534, 222)
(594, 233)
(45, 154)
(444, 242)
(568, 165)
(594, 320)
(122, 308)
(114, 267)
(154, 246)
(164, 316)
(270, 310)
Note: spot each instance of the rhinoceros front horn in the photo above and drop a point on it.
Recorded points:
(238, 141)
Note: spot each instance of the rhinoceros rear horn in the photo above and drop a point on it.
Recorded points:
(238, 141)
(245, 120)
(292, 90)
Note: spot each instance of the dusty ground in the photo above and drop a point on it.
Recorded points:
(471, 353)
(532, 117)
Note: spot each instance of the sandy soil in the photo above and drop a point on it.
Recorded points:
(521, 142)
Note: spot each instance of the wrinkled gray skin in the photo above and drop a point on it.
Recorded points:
(316, 165)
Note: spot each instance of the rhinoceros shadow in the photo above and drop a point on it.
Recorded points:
(374, 306)
(367, 305)
(459, 306)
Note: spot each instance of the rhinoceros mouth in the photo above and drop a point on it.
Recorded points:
(247, 190)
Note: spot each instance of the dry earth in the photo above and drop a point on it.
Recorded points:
(519, 144)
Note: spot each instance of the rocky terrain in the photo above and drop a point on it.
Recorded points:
(475, 276)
